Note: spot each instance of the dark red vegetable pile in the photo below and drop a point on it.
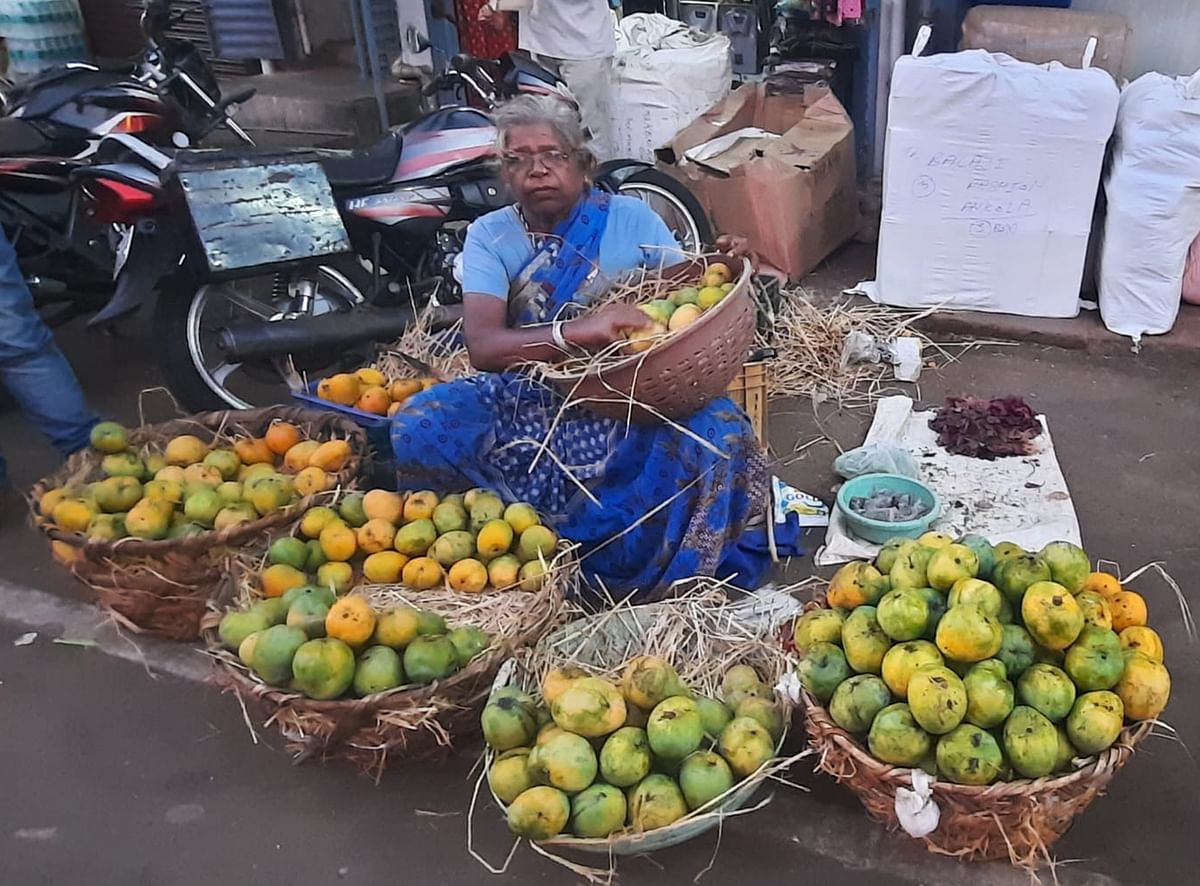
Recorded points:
(986, 429)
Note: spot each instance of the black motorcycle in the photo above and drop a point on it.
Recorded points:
(262, 276)
(52, 128)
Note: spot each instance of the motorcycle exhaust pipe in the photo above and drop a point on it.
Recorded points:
(257, 340)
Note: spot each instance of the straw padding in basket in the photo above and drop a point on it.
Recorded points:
(1013, 820)
(407, 722)
(702, 635)
(162, 587)
(686, 370)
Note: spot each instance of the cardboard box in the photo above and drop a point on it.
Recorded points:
(787, 182)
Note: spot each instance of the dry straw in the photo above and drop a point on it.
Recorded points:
(702, 635)
(412, 721)
(809, 338)
(162, 587)
(426, 349)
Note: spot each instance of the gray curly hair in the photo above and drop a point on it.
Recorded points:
(545, 110)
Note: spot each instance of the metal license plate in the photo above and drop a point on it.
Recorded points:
(254, 214)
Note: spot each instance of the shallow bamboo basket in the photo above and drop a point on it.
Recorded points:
(1018, 821)
(162, 588)
(702, 635)
(410, 722)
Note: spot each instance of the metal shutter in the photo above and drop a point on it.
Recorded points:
(244, 29)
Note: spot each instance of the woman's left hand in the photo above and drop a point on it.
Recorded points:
(737, 247)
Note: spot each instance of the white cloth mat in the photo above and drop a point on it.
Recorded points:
(1024, 500)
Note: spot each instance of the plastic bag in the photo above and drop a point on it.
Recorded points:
(1191, 274)
(1153, 190)
(916, 810)
(876, 458)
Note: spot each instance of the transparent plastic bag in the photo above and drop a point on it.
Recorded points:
(876, 458)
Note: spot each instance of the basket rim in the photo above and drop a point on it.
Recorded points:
(405, 696)
(1107, 760)
(236, 534)
(627, 841)
(828, 731)
(556, 376)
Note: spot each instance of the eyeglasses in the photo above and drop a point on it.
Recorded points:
(524, 161)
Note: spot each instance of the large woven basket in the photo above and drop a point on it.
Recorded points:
(412, 722)
(701, 634)
(163, 588)
(1013, 820)
(684, 372)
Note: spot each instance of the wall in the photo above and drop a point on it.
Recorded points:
(1166, 33)
(328, 21)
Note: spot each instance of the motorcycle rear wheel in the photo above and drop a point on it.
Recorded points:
(186, 327)
(675, 204)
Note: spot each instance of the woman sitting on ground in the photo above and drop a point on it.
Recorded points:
(648, 504)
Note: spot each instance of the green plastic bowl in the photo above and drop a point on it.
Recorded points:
(880, 531)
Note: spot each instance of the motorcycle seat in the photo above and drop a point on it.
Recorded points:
(375, 165)
(18, 137)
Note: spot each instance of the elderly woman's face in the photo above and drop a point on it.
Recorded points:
(545, 178)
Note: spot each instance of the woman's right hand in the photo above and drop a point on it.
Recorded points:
(607, 325)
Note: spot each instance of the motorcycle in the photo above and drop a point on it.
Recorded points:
(53, 127)
(241, 330)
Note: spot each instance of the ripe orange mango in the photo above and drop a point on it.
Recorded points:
(186, 450)
(420, 505)
(282, 436)
(374, 400)
(253, 451)
(422, 573)
(350, 620)
(384, 567)
(338, 541)
(297, 458)
(1128, 610)
(468, 576)
(277, 580)
(310, 481)
(343, 388)
(331, 456)
(375, 536)
(370, 377)
(403, 388)
(379, 504)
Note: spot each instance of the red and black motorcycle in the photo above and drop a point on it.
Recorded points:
(266, 268)
(51, 130)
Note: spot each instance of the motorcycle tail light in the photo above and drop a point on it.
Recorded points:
(115, 202)
(134, 123)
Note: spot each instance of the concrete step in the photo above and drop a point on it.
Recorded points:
(320, 107)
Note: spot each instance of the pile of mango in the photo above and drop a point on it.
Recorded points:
(594, 757)
(191, 487)
(981, 663)
(324, 647)
(368, 390)
(682, 307)
(466, 542)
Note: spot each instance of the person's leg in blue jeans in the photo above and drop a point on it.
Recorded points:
(32, 368)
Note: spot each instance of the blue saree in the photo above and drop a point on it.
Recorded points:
(659, 506)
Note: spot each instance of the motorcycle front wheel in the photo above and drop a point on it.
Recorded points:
(187, 329)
